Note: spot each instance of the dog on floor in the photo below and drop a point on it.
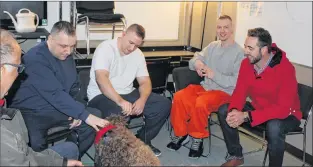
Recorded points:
(118, 146)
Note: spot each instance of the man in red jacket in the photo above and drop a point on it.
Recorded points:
(268, 78)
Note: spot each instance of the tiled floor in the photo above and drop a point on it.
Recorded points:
(180, 158)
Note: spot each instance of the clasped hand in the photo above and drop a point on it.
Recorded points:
(203, 70)
(132, 109)
(235, 118)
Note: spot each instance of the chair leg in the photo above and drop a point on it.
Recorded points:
(265, 156)
(168, 124)
(113, 31)
(304, 146)
(210, 138)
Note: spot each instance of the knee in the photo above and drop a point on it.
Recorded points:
(274, 130)
(223, 110)
(38, 144)
(72, 150)
(179, 95)
(167, 104)
(94, 112)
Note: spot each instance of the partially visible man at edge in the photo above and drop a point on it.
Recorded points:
(14, 136)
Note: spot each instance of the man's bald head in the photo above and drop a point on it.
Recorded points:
(9, 48)
(10, 53)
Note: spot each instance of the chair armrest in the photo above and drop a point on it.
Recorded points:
(183, 76)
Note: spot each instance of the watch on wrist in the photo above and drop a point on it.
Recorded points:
(246, 117)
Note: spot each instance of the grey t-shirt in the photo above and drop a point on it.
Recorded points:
(225, 63)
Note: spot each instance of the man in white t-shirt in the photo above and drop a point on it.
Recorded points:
(115, 65)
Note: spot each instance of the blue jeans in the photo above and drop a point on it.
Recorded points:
(276, 130)
(67, 150)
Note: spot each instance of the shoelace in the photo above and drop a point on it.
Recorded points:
(195, 144)
(175, 139)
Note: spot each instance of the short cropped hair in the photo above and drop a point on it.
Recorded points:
(63, 26)
(223, 17)
(264, 37)
(138, 29)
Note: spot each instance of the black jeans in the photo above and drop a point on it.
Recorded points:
(156, 111)
(38, 123)
(276, 130)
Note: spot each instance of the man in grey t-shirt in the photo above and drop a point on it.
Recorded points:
(219, 64)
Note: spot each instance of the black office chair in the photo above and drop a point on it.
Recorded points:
(306, 101)
(182, 77)
(158, 69)
(184, 61)
(99, 13)
(56, 134)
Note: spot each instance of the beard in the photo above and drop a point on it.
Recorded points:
(254, 60)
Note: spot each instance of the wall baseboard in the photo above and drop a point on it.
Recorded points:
(294, 151)
(298, 153)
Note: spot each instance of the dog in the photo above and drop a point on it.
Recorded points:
(118, 146)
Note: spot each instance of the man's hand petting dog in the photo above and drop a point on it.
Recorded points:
(235, 118)
(96, 122)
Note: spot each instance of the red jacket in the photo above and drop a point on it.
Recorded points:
(2, 102)
(274, 92)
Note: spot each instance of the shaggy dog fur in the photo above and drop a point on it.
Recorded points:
(120, 147)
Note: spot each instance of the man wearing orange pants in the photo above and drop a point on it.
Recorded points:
(219, 64)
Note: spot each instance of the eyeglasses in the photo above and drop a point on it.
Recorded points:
(20, 67)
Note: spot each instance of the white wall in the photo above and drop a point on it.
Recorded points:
(160, 19)
(53, 14)
(291, 29)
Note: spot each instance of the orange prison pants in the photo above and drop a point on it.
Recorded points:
(191, 109)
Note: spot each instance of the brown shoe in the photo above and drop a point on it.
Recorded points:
(234, 162)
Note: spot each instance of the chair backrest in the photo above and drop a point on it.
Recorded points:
(104, 7)
(183, 76)
(306, 99)
(84, 81)
(158, 69)
(185, 61)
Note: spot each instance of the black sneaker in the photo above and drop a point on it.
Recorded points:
(177, 142)
(156, 151)
(196, 148)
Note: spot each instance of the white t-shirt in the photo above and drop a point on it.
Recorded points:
(122, 69)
